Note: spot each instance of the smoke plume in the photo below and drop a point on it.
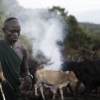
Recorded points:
(43, 28)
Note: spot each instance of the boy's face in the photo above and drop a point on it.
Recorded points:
(12, 31)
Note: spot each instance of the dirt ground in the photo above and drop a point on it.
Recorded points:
(92, 96)
(72, 98)
(67, 96)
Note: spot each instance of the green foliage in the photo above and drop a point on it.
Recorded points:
(80, 38)
(58, 9)
(90, 27)
(76, 37)
(1, 32)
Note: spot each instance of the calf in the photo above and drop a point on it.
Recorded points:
(58, 79)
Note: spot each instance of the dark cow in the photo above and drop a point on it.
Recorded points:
(87, 72)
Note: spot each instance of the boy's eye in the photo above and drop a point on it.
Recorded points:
(13, 31)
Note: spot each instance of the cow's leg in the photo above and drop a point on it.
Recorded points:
(77, 89)
(36, 90)
(88, 88)
(96, 91)
(54, 91)
(61, 93)
(61, 88)
(70, 89)
(41, 90)
(36, 86)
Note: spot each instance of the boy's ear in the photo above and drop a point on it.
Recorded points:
(3, 29)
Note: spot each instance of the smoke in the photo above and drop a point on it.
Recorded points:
(43, 28)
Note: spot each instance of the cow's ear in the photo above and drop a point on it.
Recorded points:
(67, 72)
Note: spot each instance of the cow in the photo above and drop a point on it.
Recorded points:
(58, 80)
(87, 72)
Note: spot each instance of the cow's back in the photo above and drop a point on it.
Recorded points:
(52, 77)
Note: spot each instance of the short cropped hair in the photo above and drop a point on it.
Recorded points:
(9, 19)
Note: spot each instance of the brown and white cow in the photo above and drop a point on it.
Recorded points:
(58, 80)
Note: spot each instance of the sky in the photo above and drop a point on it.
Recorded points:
(74, 7)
